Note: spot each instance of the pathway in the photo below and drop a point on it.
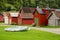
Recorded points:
(53, 30)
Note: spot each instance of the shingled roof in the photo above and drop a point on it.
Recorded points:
(56, 12)
(14, 14)
(27, 9)
(28, 12)
(29, 15)
(40, 10)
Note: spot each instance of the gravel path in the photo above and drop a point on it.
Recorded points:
(52, 30)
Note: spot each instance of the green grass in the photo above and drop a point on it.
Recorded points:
(1, 22)
(50, 26)
(27, 35)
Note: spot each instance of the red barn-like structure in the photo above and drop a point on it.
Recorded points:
(1, 17)
(12, 17)
(26, 16)
(40, 16)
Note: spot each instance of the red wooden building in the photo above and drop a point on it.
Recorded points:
(26, 16)
(12, 17)
(40, 16)
(1, 17)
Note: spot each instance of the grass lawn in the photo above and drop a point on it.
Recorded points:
(27, 35)
(1, 22)
(50, 26)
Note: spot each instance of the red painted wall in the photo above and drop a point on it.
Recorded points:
(1, 18)
(24, 21)
(42, 18)
(12, 19)
(15, 20)
(27, 21)
(46, 12)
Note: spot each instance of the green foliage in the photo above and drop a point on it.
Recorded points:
(17, 4)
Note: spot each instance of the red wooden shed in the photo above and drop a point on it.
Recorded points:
(26, 16)
(40, 16)
(1, 17)
(12, 17)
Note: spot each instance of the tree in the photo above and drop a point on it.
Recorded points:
(17, 4)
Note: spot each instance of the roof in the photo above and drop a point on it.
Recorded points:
(29, 15)
(40, 10)
(50, 15)
(56, 12)
(14, 14)
(49, 9)
(28, 12)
